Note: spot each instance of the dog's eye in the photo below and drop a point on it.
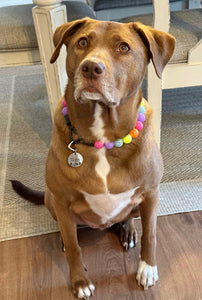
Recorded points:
(82, 42)
(123, 48)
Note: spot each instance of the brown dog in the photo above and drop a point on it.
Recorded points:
(91, 177)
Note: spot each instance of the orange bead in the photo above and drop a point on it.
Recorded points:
(134, 133)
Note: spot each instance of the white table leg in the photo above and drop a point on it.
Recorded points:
(48, 15)
(154, 97)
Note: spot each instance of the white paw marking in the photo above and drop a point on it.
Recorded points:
(146, 275)
(131, 244)
(128, 246)
(86, 292)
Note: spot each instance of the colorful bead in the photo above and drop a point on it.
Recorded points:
(64, 111)
(141, 117)
(139, 125)
(134, 133)
(118, 143)
(109, 145)
(98, 144)
(127, 139)
(142, 109)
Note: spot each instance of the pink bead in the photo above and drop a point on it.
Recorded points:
(64, 103)
(141, 117)
(98, 144)
(109, 145)
(139, 125)
(64, 111)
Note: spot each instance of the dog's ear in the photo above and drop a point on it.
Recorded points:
(62, 33)
(160, 45)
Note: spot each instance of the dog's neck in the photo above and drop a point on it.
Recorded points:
(115, 122)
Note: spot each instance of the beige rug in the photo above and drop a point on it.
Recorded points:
(25, 131)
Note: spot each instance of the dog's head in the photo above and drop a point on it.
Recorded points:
(106, 61)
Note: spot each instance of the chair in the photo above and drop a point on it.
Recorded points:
(185, 68)
(116, 9)
(18, 41)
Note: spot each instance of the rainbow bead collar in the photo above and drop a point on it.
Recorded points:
(109, 145)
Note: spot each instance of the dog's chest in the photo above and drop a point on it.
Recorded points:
(102, 168)
(107, 205)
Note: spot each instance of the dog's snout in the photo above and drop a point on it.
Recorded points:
(91, 69)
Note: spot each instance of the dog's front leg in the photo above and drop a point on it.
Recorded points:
(81, 285)
(147, 273)
(128, 234)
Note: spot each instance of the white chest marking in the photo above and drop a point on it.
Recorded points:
(102, 167)
(109, 205)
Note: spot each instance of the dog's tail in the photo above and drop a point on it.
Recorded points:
(26, 193)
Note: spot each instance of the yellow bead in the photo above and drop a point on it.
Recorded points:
(142, 102)
(127, 139)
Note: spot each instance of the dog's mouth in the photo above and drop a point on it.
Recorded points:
(91, 93)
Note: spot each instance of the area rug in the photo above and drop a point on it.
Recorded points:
(25, 133)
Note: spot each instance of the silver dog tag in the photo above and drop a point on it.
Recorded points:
(75, 159)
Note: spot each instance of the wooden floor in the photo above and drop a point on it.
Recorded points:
(35, 268)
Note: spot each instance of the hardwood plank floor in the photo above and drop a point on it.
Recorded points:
(35, 268)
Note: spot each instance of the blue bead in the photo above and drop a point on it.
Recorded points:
(118, 143)
(142, 109)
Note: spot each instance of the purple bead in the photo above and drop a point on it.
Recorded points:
(64, 111)
(109, 145)
(141, 117)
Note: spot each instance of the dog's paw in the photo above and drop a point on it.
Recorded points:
(128, 234)
(83, 291)
(146, 275)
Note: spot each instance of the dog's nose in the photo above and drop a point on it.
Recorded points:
(91, 69)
